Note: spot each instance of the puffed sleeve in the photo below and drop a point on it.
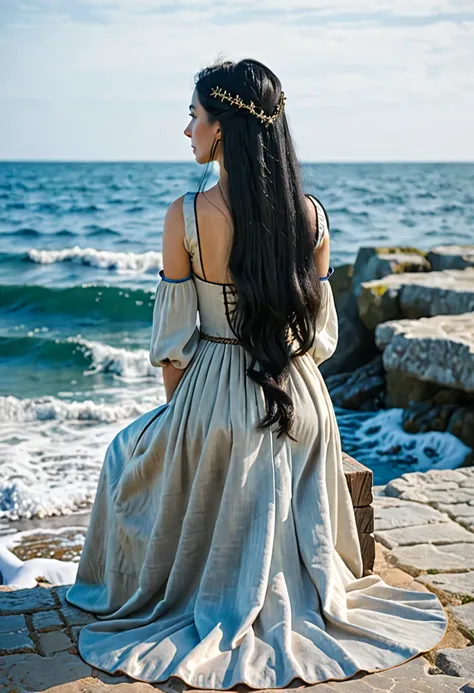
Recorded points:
(175, 334)
(327, 333)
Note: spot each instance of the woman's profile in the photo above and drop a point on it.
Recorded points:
(222, 547)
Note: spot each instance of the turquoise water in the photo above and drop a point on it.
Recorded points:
(79, 261)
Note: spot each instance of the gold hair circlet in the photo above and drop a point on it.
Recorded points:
(238, 101)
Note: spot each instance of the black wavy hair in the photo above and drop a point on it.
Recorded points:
(271, 262)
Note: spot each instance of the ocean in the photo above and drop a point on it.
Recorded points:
(79, 262)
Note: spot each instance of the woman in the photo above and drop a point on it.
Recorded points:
(222, 547)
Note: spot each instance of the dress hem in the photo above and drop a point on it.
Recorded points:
(282, 686)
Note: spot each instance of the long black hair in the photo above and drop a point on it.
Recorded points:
(271, 262)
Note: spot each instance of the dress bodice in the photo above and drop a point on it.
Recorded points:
(216, 301)
(185, 307)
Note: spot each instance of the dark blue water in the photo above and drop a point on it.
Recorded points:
(79, 261)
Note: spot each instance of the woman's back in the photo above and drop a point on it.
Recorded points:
(208, 240)
(214, 229)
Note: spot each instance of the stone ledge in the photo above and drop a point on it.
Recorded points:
(416, 295)
(26, 601)
(376, 263)
(437, 488)
(458, 586)
(437, 350)
(456, 662)
(464, 617)
(444, 257)
(46, 621)
(55, 641)
(443, 533)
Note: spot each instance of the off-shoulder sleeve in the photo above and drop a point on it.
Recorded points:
(327, 331)
(175, 334)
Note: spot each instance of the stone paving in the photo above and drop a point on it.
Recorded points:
(435, 546)
(424, 528)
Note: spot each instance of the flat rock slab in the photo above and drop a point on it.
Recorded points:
(390, 514)
(378, 262)
(416, 295)
(440, 497)
(451, 257)
(437, 350)
(14, 635)
(440, 533)
(463, 513)
(66, 673)
(35, 673)
(460, 510)
(10, 643)
(412, 677)
(450, 292)
(10, 624)
(27, 600)
(47, 620)
(72, 615)
(422, 557)
(456, 662)
(55, 641)
(455, 584)
(76, 617)
(464, 615)
(436, 487)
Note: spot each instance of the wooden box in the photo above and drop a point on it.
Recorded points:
(360, 481)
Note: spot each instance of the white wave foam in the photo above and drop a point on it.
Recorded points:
(19, 500)
(49, 408)
(378, 437)
(149, 262)
(51, 466)
(123, 362)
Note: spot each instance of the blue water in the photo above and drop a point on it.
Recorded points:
(79, 261)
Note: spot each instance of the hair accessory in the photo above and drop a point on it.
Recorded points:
(238, 101)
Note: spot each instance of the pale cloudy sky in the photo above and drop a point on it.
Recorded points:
(366, 80)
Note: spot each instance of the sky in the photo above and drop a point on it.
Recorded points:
(111, 80)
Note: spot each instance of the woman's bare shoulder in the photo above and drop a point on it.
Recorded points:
(211, 207)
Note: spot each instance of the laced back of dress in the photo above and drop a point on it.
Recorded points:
(217, 299)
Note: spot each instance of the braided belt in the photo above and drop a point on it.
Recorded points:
(225, 340)
(212, 338)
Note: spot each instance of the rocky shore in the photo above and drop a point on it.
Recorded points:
(406, 338)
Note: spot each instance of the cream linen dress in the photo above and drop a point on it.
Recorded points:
(220, 554)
